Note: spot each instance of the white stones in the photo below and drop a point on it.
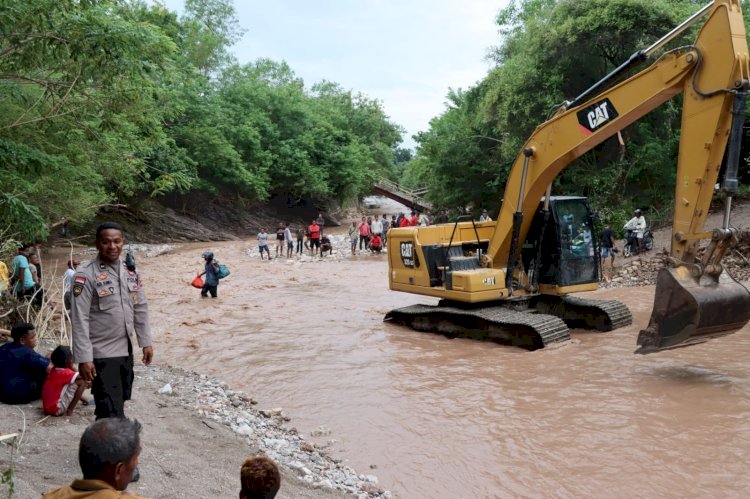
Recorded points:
(166, 389)
(215, 401)
(320, 431)
(296, 465)
(275, 443)
(323, 484)
(244, 429)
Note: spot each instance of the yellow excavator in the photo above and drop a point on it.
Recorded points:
(510, 280)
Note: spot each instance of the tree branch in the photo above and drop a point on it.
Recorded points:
(64, 97)
(29, 37)
(26, 79)
(41, 118)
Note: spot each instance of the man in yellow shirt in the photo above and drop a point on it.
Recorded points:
(4, 278)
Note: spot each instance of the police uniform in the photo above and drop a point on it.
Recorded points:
(109, 306)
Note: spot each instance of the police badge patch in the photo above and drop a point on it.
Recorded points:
(77, 289)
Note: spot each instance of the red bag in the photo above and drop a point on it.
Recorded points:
(197, 282)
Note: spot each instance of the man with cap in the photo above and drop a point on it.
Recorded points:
(485, 217)
(109, 307)
(638, 225)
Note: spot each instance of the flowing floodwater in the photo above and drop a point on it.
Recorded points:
(458, 418)
(434, 417)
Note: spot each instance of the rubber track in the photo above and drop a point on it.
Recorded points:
(528, 330)
(617, 312)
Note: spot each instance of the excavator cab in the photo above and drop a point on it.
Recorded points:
(560, 245)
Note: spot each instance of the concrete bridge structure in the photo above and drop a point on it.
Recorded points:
(413, 198)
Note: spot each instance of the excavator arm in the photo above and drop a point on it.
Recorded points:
(717, 60)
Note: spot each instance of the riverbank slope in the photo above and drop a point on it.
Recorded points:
(196, 434)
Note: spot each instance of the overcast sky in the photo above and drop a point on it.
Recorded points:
(404, 53)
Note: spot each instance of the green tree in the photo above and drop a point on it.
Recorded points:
(209, 28)
(79, 117)
(116, 100)
(552, 51)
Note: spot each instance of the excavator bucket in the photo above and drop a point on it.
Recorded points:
(689, 310)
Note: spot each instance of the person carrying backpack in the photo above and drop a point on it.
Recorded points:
(211, 283)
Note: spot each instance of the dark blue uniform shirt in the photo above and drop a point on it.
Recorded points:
(22, 373)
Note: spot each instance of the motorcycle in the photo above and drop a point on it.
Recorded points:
(631, 242)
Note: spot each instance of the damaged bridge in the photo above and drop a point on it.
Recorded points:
(413, 198)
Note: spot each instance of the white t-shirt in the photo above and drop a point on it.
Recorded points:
(68, 280)
(638, 224)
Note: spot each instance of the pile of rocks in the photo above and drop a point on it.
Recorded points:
(266, 429)
(737, 261)
(149, 250)
(642, 270)
(639, 271)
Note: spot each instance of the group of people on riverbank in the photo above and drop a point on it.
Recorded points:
(24, 278)
(367, 234)
(294, 241)
(108, 311)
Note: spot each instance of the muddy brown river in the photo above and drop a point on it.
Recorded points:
(434, 417)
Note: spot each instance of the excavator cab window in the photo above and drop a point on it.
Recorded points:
(561, 244)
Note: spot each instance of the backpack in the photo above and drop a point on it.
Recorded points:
(222, 271)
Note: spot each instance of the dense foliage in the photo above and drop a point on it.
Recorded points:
(108, 101)
(553, 50)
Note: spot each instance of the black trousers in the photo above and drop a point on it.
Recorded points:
(32, 390)
(112, 385)
(213, 289)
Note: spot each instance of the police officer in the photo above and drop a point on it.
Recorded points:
(109, 305)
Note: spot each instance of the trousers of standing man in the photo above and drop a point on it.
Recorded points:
(113, 385)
